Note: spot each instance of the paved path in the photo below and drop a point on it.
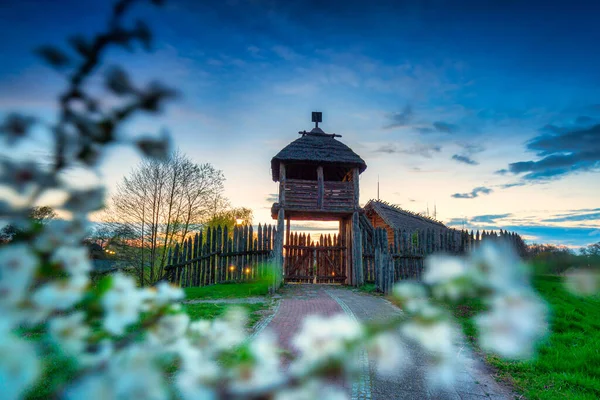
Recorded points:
(474, 380)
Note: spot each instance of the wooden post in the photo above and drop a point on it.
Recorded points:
(281, 184)
(357, 260)
(355, 180)
(320, 187)
(279, 238)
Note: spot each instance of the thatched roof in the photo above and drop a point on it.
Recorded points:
(317, 147)
(398, 218)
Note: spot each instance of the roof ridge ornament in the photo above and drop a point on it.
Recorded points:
(317, 117)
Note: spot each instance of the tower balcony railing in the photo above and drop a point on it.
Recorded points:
(305, 195)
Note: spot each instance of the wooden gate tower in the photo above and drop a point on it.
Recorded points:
(319, 180)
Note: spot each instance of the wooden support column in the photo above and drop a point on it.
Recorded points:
(281, 184)
(357, 256)
(279, 238)
(320, 187)
(347, 224)
(355, 180)
(287, 241)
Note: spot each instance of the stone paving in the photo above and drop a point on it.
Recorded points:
(474, 379)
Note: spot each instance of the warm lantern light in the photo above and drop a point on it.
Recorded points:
(231, 268)
(247, 270)
(333, 274)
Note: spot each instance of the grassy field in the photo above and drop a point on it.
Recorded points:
(567, 365)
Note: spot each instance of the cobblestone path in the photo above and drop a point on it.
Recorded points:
(474, 379)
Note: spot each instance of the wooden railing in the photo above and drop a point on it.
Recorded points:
(303, 194)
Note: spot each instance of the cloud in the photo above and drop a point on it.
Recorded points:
(509, 185)
(286, 53)
(584, 119)
(424, 150)
(445, 127)
(474, 193)
(489, 218)
(437, 127)
(576, 217)
(399, 119)
(564, 151)
(464, 159)
(472, 148)
(272, 198)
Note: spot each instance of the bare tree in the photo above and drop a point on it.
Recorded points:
(163, 202)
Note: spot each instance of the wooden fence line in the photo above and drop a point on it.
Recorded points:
(392, 259)
(216, 255)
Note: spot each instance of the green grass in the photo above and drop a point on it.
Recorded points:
(368, 288)
(212, 310)
(567, 365)
(228, 291)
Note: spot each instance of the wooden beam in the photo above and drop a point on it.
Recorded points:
(321, 187)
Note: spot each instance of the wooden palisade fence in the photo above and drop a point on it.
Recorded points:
(216, 255)
(388, 260)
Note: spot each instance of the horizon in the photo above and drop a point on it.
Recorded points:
(490, 112)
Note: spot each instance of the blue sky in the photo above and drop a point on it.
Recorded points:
(485, 108)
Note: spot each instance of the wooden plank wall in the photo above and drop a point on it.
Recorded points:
(215, 255)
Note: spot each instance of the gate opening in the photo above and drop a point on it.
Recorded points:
(320, 259)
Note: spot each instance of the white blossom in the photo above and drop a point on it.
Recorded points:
(311, 390)
(57, 233)
(435, 336)
(440, 269)
(220, 334)
(322, 339)
(19, 366)
(583, 282)
(160, 295)
(122, 304)
(264, 369)
(134, 374)
(169, 329)
(193, 382)
(85, 200)
(17, 266)
(74, 260)
(516, 320)
(496, 265)
(99, 353)
(60, 294)
(411, 295)
(91, 387)
(70, 332)
(387, 350)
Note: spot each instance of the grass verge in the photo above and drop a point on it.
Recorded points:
(227, 291)
(567, 365)
(212, 310)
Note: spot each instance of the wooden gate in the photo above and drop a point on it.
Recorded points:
(307, 261)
